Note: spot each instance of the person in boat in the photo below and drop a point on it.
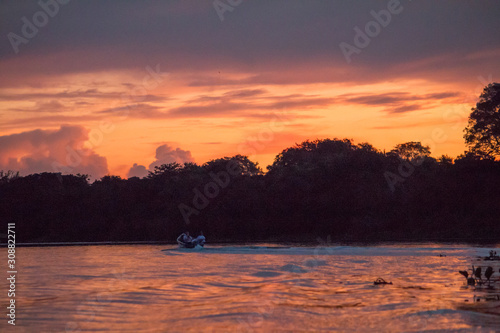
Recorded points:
(185, 238)
(200, 240)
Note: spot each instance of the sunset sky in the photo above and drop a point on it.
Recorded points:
(117, 87)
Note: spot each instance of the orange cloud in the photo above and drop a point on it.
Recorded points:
(164, 155)
(51, 151)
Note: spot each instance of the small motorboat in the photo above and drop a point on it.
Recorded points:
(198, 242)
(190, 245)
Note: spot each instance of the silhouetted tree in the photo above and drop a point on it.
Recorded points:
(445, 160)
(482, 134)
(238, 162)
(315, 188)
(411, 150)
(7, 176)
(165, 170)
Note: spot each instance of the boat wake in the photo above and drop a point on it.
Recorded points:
(331, 250)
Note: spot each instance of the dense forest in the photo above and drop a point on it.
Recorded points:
(332, 187)
(318, 188)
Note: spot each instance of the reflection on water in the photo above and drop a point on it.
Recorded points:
(251, 289)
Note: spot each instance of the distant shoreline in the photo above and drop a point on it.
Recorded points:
(476, 242)
(317, 192)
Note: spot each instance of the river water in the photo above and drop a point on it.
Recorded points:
(262, 288)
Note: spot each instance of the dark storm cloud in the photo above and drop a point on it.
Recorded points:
(257, 36)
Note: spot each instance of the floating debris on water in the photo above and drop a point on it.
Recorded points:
(487, 298)
(381, 281)
(493, 256)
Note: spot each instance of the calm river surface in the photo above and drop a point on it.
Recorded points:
(146, 288)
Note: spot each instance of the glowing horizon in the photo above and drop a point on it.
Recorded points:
(208, 88)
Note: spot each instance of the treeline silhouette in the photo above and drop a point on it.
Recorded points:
(350, 192)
